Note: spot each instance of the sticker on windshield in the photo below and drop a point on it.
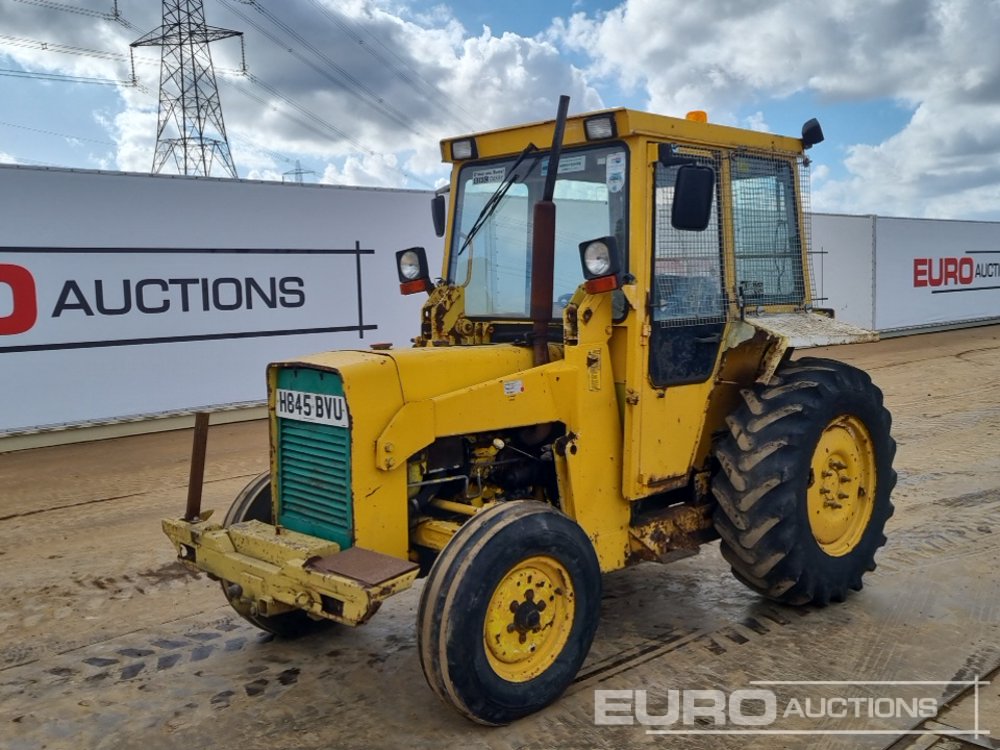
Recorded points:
(567, 164)
(616, 172)
(486, 176)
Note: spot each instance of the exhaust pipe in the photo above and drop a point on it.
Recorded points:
(543, 246)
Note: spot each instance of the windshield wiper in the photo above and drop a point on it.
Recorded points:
(498, 195)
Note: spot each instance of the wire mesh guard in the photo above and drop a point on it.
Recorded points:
(687, 266)
(767, 237)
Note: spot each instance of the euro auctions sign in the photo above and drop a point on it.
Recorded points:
(105, 333)
(57, 299)
(128, 295)
(931, 272)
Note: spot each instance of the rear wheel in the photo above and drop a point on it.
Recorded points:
(254, 504)
(805, 482)
(509, 611)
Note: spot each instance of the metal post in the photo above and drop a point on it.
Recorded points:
(197, 476)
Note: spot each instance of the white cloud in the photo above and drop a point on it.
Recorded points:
(380, 85)
(396, 81)
(756, 121)
(365, 170)
(940, 57)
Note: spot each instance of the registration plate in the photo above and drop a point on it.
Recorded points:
(317, 408)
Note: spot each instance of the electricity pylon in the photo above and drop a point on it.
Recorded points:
(190, 128)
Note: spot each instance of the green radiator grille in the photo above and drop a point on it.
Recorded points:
(314, 466)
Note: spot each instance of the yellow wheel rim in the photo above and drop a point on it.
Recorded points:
(841, 492)
(529, 618)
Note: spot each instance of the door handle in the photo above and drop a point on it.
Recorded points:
(712, 338)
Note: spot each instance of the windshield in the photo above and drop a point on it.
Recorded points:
(494, 265)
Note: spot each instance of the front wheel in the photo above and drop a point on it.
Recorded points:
(805, 482)
(509, 611)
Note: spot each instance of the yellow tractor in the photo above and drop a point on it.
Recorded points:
(586, 392)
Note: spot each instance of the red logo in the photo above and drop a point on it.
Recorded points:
(25, 308)
(943, 271)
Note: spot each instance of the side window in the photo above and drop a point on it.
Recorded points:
(687, 266)
(768, 241)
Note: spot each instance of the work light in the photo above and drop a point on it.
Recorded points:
(597, 258)
(464, 149)
(601, 264)
(600, 128)
(411, 266)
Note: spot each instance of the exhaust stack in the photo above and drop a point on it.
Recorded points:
(543, 246)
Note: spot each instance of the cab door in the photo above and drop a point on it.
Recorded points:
(685, 317)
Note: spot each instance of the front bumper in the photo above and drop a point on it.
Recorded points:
(278, 570)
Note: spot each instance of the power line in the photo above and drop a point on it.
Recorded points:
(51, 5)
(403, 69)
(307, 118)
(343, 78)
(323, 131)
(100, 54)
(54, 133)
(254, 146)
(113, 16)
(15, 41)
(62, 77)
(326, 126)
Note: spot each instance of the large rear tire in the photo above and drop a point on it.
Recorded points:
(509, 611)
(254, 504)
(805, 482)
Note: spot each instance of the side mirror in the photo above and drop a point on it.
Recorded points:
(693, 194)
(438, 214)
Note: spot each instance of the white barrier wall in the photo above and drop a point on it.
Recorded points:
(898, 275)
(843, 265)
(126, 294)
(930, 272)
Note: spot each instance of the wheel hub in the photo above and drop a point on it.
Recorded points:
(842, 483)
(529, 618)
(527, 615)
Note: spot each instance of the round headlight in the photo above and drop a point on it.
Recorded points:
(409, 265)
(597, 259)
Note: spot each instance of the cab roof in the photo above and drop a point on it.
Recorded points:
(629, 123)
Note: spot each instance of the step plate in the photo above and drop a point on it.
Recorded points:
(370, 568)
(803, 330)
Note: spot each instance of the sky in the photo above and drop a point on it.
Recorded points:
(360, 92)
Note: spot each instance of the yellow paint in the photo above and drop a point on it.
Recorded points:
(529, 618)
(842, 494)
(560, 391)
(632, 126)
(271, 569)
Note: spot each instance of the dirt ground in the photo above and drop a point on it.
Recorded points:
(106, 642)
